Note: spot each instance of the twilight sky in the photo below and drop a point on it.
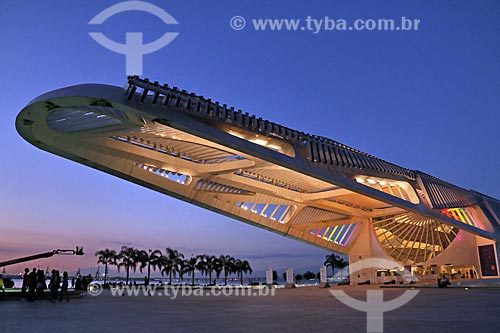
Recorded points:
(426, 99)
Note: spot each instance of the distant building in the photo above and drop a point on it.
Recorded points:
(298, 185)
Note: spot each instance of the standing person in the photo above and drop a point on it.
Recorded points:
(40, 284)
(32, 281)
(84, 283)
(78, 283)
(64, 287)
(54, 285)
(26, 283)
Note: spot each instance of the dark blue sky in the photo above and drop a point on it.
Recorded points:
(425, 99)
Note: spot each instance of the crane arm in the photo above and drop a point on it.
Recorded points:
(78, 252)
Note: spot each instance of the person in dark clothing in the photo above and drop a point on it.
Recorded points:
(55, 281)
(85, 284)
(78, 283)
(64, 287)
(40, 284)
(32, 281)
(26, 283)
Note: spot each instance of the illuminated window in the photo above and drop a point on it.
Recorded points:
(463, 215)
(274, 212)
(172, 176)
(340, 234)
(82, 119)
(411, 238)
(396, 188)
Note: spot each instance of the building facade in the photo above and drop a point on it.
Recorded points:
(295, 184)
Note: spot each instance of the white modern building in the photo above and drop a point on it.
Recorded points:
(298, 185)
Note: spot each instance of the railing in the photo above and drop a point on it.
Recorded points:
(319, 149)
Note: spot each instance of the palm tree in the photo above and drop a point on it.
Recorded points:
(309, 275)
(152, 260)
(227, 263)
(240, 267)
(275, 276)
(210, 264)
(202, 264)
(182, 269)
(141, 259)
(192, 264)
(341, 264)
(128, 259)
(332, 261)
(171, 262)
(217, 264)
(106, 257)
(167, 267)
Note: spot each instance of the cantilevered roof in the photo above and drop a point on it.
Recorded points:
(296, 184)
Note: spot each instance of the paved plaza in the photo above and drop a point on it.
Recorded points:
(302, 310)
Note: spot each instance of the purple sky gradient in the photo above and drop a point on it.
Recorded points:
(426, 100)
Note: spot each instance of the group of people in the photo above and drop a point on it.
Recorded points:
(34, 285)
(82, 283)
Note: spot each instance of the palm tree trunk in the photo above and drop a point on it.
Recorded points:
(192, 278)
(241, 278)
(149, 270)
(105, 272)
(170, 279)
(209, 277)
(128, 271)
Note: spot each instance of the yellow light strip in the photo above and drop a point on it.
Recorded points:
(324, 234)
(339, 233)
(333, 232)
